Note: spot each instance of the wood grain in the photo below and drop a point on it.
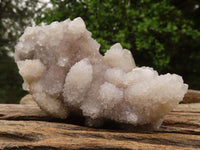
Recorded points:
(27, 127)
(192, 96)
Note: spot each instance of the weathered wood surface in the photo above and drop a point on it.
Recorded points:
(192, 96)
(27, 127)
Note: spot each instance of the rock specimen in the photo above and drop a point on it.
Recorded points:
(27, 100)
(65, 73)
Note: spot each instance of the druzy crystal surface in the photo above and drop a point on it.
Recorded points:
(65, 73)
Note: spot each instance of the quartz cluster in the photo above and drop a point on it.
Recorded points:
(65, 73)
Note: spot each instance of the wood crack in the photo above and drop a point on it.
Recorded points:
(33, 129)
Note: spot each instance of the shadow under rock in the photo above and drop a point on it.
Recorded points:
(109, 125)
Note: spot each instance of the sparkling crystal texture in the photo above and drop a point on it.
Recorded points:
(65, 73)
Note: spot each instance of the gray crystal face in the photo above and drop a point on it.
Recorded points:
(63, 70)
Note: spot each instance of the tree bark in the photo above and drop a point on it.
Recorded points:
(27, 127)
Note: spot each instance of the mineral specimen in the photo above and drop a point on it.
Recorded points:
(65, 73)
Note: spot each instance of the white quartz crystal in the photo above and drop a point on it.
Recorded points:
(65, 73)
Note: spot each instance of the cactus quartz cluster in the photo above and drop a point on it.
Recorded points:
(65, 73)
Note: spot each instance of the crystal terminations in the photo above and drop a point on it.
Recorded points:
(65, 73)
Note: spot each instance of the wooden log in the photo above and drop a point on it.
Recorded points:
(27, 127)
(192, 96)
